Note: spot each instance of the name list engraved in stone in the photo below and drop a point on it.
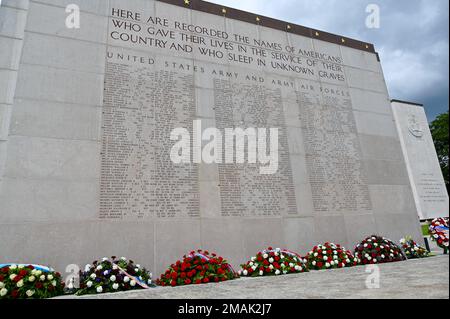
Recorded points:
(333, 153)
(243, 191)
(138, 179)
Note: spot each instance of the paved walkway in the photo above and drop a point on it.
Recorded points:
(423, 279)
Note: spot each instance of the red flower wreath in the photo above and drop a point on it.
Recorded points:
(199, 267)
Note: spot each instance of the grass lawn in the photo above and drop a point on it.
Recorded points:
(425, 230)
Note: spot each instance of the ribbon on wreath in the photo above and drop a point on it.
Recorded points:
(37, 267)
(443, 230)
(138, 281)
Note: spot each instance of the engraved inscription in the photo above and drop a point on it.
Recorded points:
(138, 179)
(243, 191)
(333, 153)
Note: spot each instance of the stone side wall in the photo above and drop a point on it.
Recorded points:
(422, 161)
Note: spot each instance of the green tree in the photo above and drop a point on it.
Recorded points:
(439, 130)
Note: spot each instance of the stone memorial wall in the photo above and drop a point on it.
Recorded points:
(87, 115)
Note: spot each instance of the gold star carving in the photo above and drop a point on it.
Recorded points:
(288, 27)
(258, 19)
(343, 40)
(224, 11)
(317, 34)
(187, 2)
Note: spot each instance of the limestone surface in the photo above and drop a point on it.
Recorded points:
(424, 278)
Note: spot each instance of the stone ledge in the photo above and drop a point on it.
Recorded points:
(424, 278)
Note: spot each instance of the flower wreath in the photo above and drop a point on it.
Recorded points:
(19, 281)
(198, 267)
(438, 231)
(113, 275)
(378, 250)
(274, 262)
(329, 256)
(412, 249)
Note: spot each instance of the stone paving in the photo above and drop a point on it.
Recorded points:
(423, 279)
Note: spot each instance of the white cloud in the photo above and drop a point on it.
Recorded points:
(406, 74)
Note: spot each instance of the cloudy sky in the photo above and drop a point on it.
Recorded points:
(413, 39)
